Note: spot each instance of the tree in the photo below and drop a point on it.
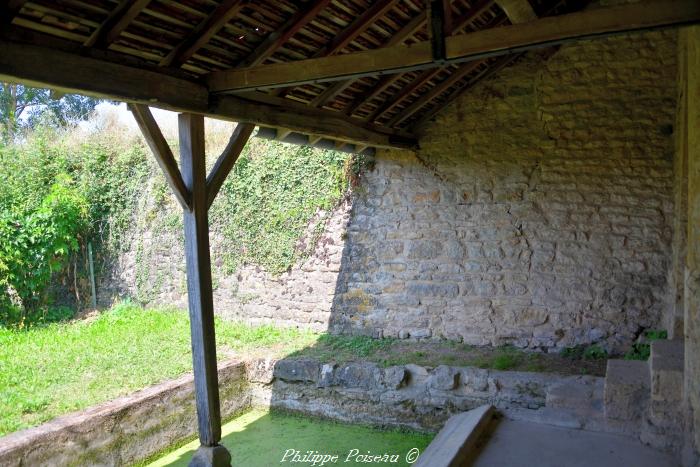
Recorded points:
(25, 107)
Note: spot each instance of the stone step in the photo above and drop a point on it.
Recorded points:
(573, 419)
(666, 363)
(627, 390)
(582, 394)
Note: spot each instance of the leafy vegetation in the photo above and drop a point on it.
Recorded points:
(265, 207)
(107, 180)
(49, 370)
(642, 350)
(24, 107)
(57, 193)
(585, 352)
(35, 243)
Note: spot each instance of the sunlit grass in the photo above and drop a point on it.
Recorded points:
(51, 370)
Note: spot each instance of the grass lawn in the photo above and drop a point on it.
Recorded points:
(260, 439)
(47, 371)
(52, 370)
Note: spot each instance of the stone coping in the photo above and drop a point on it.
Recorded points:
(126, 429)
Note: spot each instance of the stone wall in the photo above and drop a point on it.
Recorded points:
(125, 430)
(537, 212)
(413, 396)
(152, 270)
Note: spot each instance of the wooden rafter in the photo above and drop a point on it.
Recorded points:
(227, 159)
(203, 33)
(493, 68)
(456, 24)
(162, 153)
(406, 91)
(423, 78)
(116, 22)
(517, 11)
(357, 27)
(434, 92)
(349, 34)
(399, 37)
(277, 38)
(467, 47)
(102, 78)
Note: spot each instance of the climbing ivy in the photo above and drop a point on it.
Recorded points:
(269, 212)
(266, 205)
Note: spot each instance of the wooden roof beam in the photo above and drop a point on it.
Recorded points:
(88, 72)
(466, 47)
(518, 11)
(227, 159)
(494, 68)
(450, 81)
(399, 37)
(163, 154)
(349, 34)
(277, 38)
(116, 22)
(203, 33)
(448, 29)
(357, 27)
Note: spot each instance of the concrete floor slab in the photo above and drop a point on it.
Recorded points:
(525, 444)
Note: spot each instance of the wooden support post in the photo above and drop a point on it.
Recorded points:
(199, 294)
(437, 30)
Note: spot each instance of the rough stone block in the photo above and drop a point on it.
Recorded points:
(261, 370)
(444, 378)
(327, 376)
(394, 377)
(297, 370)
(627, 389)
(358, 375)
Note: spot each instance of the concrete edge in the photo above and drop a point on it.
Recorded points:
(457, 440)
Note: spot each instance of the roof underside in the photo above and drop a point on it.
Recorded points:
(202, 36)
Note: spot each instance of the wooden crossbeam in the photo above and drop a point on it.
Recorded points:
(227, 159)
(116, 22)
(400, 36)
(349, 34)
(429, 74)
(162, 153)
(517, 11)
(203, 33)
(539, 33)
(276, 39)
(71, 70)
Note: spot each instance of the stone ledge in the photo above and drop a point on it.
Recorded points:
(125, 430)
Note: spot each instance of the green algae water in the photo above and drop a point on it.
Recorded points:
(261, 439)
